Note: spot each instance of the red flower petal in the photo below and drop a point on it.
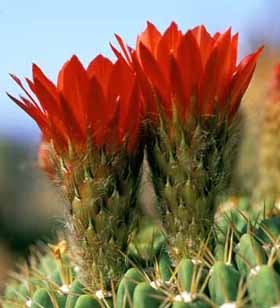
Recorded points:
(32, 111)
(242, 79)
(149, 38)
(177, 89)
(234, 44)
(101, 67)
(97, 111)
(151, 68)
(149, 105)
(74, 86)
(189, 61)
(168, 44)
(19, 83)
(123, 48)
(48, 85)
(52, 109)
(223, 44)
(205, 42)
(121, 82)
(228, 72)
(208, 85)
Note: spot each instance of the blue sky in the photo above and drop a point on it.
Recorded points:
(48, 32)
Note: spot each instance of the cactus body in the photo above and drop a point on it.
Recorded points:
(223, 283)
(86, 301)
(41, 298)
(188, 170)
(165, 266)
(264, 287)
(75, 291)
(146, 296)
(185, 274)
(102, 217)
(127, 286)
(249, 254)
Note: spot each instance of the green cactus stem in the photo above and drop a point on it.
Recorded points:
(101, 191)
(188, 170)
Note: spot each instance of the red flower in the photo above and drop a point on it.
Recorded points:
(193, 71)
(93, 104)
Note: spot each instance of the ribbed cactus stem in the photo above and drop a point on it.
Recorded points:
(189, 166)
(101, 192)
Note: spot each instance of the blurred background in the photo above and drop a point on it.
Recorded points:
(48, 33)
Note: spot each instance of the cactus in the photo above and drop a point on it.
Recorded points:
(99, 180)
(50, 281)
(182, 177)
(190, 125)
(248, 274)
(184, 92)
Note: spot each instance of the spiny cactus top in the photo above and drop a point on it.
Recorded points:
(85, 104)
(194, 72)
